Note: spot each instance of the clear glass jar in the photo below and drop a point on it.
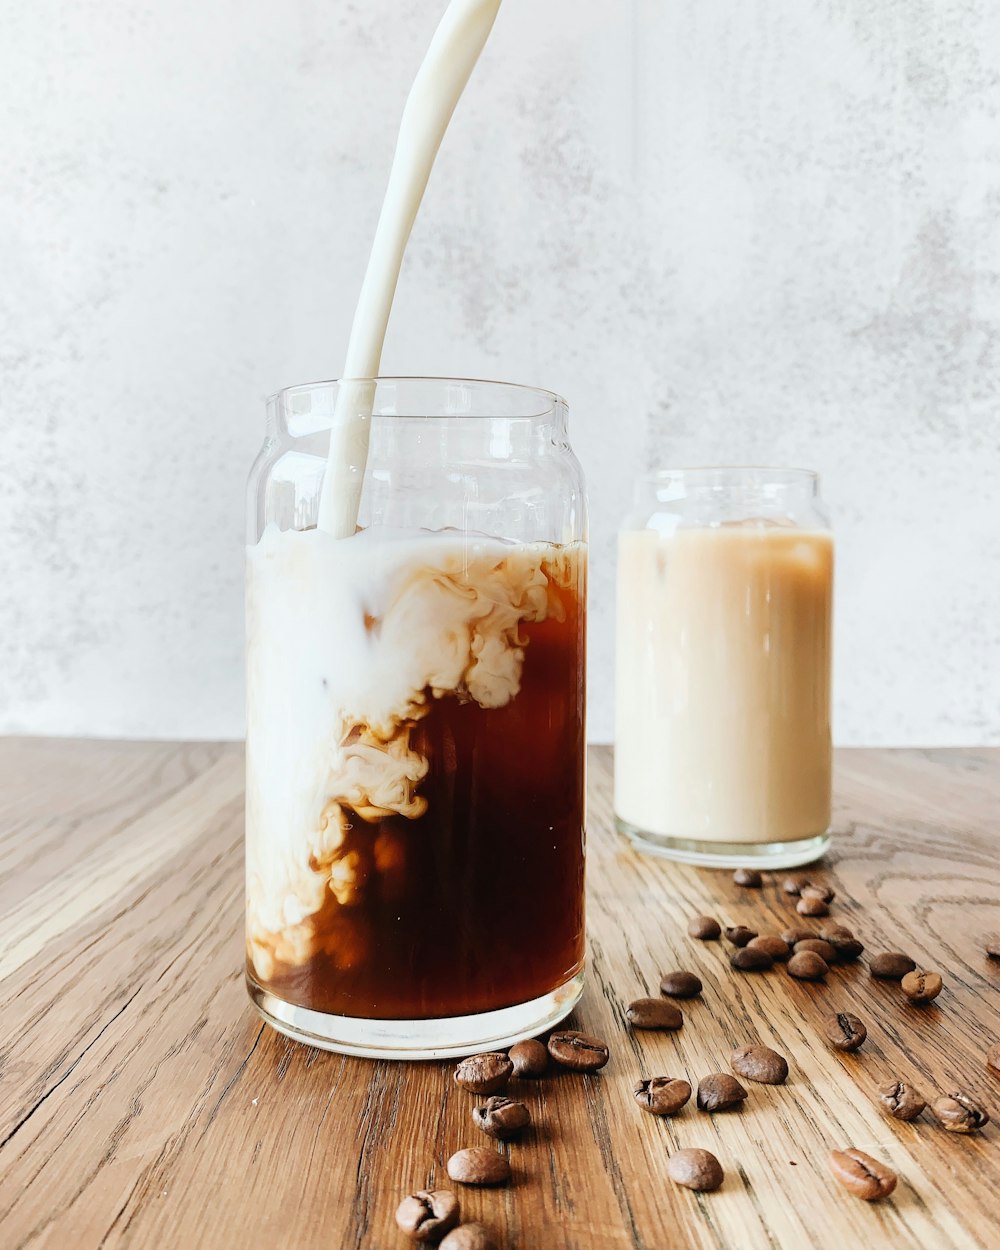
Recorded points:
(415, 739)
(722, 722)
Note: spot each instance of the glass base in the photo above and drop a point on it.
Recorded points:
(726, 854)
(447, 1038)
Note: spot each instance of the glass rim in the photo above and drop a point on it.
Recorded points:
(552, 401)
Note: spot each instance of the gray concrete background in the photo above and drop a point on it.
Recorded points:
(764, 231)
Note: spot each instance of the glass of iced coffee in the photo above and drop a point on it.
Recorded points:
(415, 739)
(722, 723)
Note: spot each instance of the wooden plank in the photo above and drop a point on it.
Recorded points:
(142, 1104)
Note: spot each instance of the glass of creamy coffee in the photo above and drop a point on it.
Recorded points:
(722, 693)
(415, 740)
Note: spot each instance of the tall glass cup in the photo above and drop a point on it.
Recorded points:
(415, 739)
(722, 737)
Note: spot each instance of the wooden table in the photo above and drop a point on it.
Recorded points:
(143, 1104)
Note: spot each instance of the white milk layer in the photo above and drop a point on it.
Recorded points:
(722, 723)
(349, 641)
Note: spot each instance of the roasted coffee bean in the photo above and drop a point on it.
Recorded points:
(695, 1169)
(993, 1058)
(921, 987)
(824, 949)
(748, 959)
(704, 927)
(847, 949)
(479, 1166)
(993, 946)
(583, 1053)
(774, 946)
(719, 1091)
(749, 878)
(662, 1095)
(485, 1073)
(649, 1013)
(834, 933)
(959, 1113)
(808, 966)
(760, 1064)
(428, 1214)
(862, 1175)
(791, 936)
(844, 1031)
(529, 1058)
(901, 1100)
(891, 965)
(680, 984)
(739, 935)
(811, 906)
(501, 1117)
(470, 1237)
(822, 892)
(793, 885)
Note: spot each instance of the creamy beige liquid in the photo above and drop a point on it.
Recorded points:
(723, 682)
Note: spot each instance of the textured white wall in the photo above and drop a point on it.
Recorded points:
(764, 231)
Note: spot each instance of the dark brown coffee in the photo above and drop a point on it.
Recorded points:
(477, 904)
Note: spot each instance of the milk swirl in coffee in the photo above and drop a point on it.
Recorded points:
(404, 816)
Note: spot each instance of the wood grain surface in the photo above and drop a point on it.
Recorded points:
(143, 1104)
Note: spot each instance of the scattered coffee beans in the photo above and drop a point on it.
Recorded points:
(808, 966)
(680, 984)
(749, 878)
(862, 1175)
(529, 1058)
(822, 892)
(807, 906)
(428, 1214)
(921, 987)
(646, 1013)
(959, 1113)
(824, 949)
(695, 1169)
(719, 1091)
(739, 935)
(704, 928)
(774, 946)
(791, 936)
(835, 932)
(901, 1100)
(479, 1166)
(662, 1095)
(993, 1059)
(891, 965)
(580, 1052)
(501, 1117)
(793, 885)
(484, 1074)
(844, 1031)
(469, 1237)
(759, 1063)
(749, 959)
